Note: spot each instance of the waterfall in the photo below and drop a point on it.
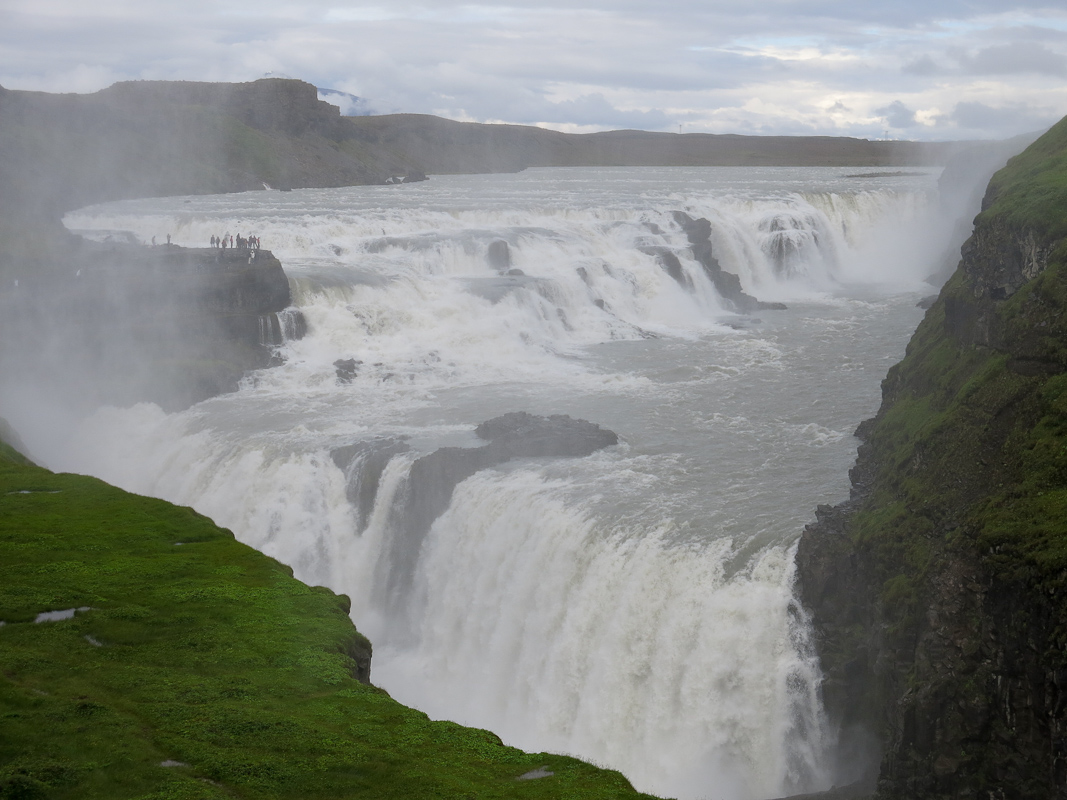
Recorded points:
(633, 606)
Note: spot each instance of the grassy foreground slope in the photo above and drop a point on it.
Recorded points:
(940, 590)
(199, 668)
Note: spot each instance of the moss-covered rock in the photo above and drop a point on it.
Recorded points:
(938, 591)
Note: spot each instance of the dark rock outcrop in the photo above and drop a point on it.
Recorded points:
(499, 255)
(514, 435)
(670, 262)
(433, 477)
(523, 435)
(363, 464)
(726, 283)
(939, 590)
(347, 369)
(127, 323)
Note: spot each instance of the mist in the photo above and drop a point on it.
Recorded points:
(630, 602)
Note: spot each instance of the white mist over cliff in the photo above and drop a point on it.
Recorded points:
(633, 606)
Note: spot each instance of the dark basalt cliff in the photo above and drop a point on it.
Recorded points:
(939, 590)
(127, 323)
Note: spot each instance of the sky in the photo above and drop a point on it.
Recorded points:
(902, 69)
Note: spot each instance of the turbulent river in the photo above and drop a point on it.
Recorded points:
(634, 607)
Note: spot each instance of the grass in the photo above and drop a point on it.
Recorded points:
(1031, 191)
(199, 653)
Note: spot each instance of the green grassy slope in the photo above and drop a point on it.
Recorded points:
(973, 431)
(198, 653)
(1031, 191)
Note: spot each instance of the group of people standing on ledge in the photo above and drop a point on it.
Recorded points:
(240, 243)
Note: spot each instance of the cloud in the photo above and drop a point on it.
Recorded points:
(923, 66)
(814, 65)
(1007, 119)
(1015, 58)
(897, 115)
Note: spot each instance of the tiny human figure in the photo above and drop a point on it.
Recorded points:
(212, 240)
(153, 241)
(168, 239)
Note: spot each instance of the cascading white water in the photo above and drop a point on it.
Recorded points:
(635, 606)
(600, 629)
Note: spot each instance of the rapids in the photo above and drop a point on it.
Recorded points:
(633, 607)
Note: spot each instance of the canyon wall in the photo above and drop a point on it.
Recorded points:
(126, 323)
(939, 589)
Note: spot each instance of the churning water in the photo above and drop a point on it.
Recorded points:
(634, 607)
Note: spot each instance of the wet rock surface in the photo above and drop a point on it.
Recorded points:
(167, 324)
(523, 435)
(671, 264)
(726, 283)
(434, 477)
(363, 464)
(347, 369)
(499, 255)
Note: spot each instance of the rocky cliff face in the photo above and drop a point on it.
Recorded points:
(152, 138)
(166, 324)
(939, 589)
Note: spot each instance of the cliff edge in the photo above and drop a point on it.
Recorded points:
(938, 591)
(122, 323)
(145, 653)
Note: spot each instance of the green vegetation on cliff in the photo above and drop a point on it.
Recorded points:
(939, 591)
(973, 432)
(1031, 192)
(196, 668)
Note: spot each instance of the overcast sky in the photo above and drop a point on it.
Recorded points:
(919, 69)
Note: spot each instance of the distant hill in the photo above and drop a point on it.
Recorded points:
(439, 146)
(169, 137)
(59, 152)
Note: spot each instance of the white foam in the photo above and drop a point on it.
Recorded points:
(634, 607)
(609, 642)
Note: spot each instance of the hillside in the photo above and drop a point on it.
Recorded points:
(438, 146)
(188, 666)
(152, 138)
(939, 590)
